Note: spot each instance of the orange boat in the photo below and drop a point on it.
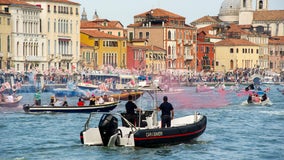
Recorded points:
(124, 95)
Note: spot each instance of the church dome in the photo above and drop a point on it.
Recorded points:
(230, 7)
(229, 10)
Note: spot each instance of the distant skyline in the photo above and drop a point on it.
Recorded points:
(125, 10)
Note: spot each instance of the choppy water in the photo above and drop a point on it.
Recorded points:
(233, 131)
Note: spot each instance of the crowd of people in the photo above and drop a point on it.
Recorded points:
(57, 76)
(93, 100)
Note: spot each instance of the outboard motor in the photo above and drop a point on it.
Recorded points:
(26, 107)
(108, 126)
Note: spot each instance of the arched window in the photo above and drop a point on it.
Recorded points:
(59, 31)
(244, 3)
(169, 35)
(231, 64)
(8, 44)
(169, 50)
(260, 4)
(54, 25)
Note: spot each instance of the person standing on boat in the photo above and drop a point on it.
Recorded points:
(37, 98)
(130, 107)
(249, 100)
(92, 100)
(52, 100)
(167, 112)
(65, 103)
(264, 97)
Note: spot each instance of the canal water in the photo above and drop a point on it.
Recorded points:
(233, 131)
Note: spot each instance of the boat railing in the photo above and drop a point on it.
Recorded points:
(92, 114)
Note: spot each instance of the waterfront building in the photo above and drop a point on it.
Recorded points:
(242, 12)
(26, 41)
(144, 58)
(168, 31)
(5, 40)
(205, 48)
(246, 32)
(108, 50)
(104, 25)
(206, 21)
(276, 51)
(231, 54)
(60, 25)
(88, 56)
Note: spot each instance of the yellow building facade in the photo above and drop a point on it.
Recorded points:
(155, 60)
(231, 54)
(5, 41)
(109, 50)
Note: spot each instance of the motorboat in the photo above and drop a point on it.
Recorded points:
(88, 86)
(105, 107)
(114, 129)
(123, 96)
(267, 102)
(11, 101)
(61, 92)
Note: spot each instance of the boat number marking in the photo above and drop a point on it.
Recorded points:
(150, 134)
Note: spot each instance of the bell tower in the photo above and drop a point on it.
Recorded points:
(246, 12)
(261, 5)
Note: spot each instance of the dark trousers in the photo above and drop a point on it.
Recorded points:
(38, 102)
(131, 118)
(166, 121)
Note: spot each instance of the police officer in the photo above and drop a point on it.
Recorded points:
(167, 112)
(131, 107)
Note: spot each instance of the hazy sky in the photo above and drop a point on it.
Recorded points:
(125, 10)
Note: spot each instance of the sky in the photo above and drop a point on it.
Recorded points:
(125, 10)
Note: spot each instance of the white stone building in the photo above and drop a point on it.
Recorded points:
(261, 18)
(60, 24)
(27, 42)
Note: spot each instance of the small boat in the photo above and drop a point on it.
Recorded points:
(267, 102)
(87, 86)
(148, 132)
(204, 88)
(106, 107)
(11, 101)
(61, 92)
(123, 96)
(280, 90)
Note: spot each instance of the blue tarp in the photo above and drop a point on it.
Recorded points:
(143, 78)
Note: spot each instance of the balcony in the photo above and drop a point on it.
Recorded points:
(67, 57)
(188, 57)
(186, 41)
(35, 58)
